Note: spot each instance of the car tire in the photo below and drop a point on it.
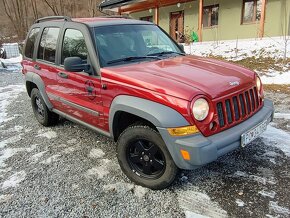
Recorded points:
(156, 168)
(43, 115)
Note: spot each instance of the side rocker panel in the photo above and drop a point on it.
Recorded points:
(36, 79)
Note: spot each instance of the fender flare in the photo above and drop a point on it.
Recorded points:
(159, 115)
(36, 79)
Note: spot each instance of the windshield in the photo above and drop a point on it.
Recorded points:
(121, 44)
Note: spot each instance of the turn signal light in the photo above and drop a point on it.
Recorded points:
(185, 154)
(183, 131)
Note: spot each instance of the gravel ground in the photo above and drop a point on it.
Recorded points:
(70, 171)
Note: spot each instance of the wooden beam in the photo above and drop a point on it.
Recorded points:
(146, 5)
(262, 20)
(156, 17)
(200, 14)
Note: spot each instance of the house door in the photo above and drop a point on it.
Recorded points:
(176, 24)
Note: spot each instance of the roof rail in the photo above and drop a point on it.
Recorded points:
(65, 18)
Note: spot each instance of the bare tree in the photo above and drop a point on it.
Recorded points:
(62, 7)
(17, 12)
(284, 26)
(53, 5)
(92, 7)
(34, 9)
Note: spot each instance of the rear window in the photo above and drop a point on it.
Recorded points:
(30, 43)
(47, 45)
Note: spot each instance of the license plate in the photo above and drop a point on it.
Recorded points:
(253, 133)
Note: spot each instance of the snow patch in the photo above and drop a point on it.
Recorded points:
(285, 116)
(35, 158)
(72, 141)
(190, 214)
(276, 77)
(140, 191)
(240, 203)
(278, 138)
(7, 95)
(120, 187)
(5, 198)
(14, 180)
(49, 134)
(270, 194)
(198, 203)
(274, 207)
(99, 171)
(96, 153)
(262, 180)
(241, 48)
(9, 152)
(51, 159)
(69, 150)
(10, 140)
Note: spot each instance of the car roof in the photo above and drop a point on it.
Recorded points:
(107, 21)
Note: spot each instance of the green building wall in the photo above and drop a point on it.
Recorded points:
(277, 20)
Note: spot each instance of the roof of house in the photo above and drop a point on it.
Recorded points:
(108, 4)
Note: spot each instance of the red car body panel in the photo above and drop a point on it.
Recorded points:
(173, 82)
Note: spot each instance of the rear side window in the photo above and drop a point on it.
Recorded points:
(29, 47)
(74, 45)
(47, 45)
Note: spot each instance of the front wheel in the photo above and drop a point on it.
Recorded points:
(144, 157)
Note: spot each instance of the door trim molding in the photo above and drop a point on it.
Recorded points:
(73, 119)
(77, 106)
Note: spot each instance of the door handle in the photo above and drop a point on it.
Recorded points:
(63, 75)
(37, 67)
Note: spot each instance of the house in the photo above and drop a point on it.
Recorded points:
(211, 20)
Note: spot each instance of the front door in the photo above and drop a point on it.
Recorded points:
(79, 92)
(177, 25)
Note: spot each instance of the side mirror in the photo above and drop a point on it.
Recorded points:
(75, 64)
(181, 46)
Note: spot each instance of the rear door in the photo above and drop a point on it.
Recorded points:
(45, 64)
(79, 93)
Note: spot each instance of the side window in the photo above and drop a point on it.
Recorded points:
(47, 46)
(74, 45)
(29, 47)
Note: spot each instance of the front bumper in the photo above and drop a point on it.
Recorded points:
(204, 150)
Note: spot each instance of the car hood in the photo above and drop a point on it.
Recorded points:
(184, 76)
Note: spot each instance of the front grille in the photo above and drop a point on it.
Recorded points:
(238, 107)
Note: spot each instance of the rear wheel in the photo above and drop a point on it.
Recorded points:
(43, 115)
(144, 158)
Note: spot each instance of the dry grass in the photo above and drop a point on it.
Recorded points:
(277, 88)
(261, 64)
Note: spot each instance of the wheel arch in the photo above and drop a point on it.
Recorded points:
(33, 80)
(139, 109)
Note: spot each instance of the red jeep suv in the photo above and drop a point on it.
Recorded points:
(127, 79)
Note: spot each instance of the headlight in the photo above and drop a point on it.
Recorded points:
(258, 83)
(200, 109)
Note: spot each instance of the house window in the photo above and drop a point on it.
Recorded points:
(148, 18)
(251, 11)
(210, 16)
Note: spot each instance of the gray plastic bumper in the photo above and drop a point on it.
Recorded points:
(204, 150)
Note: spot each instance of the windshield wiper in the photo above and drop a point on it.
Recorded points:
(132, 58)
(167, 52)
